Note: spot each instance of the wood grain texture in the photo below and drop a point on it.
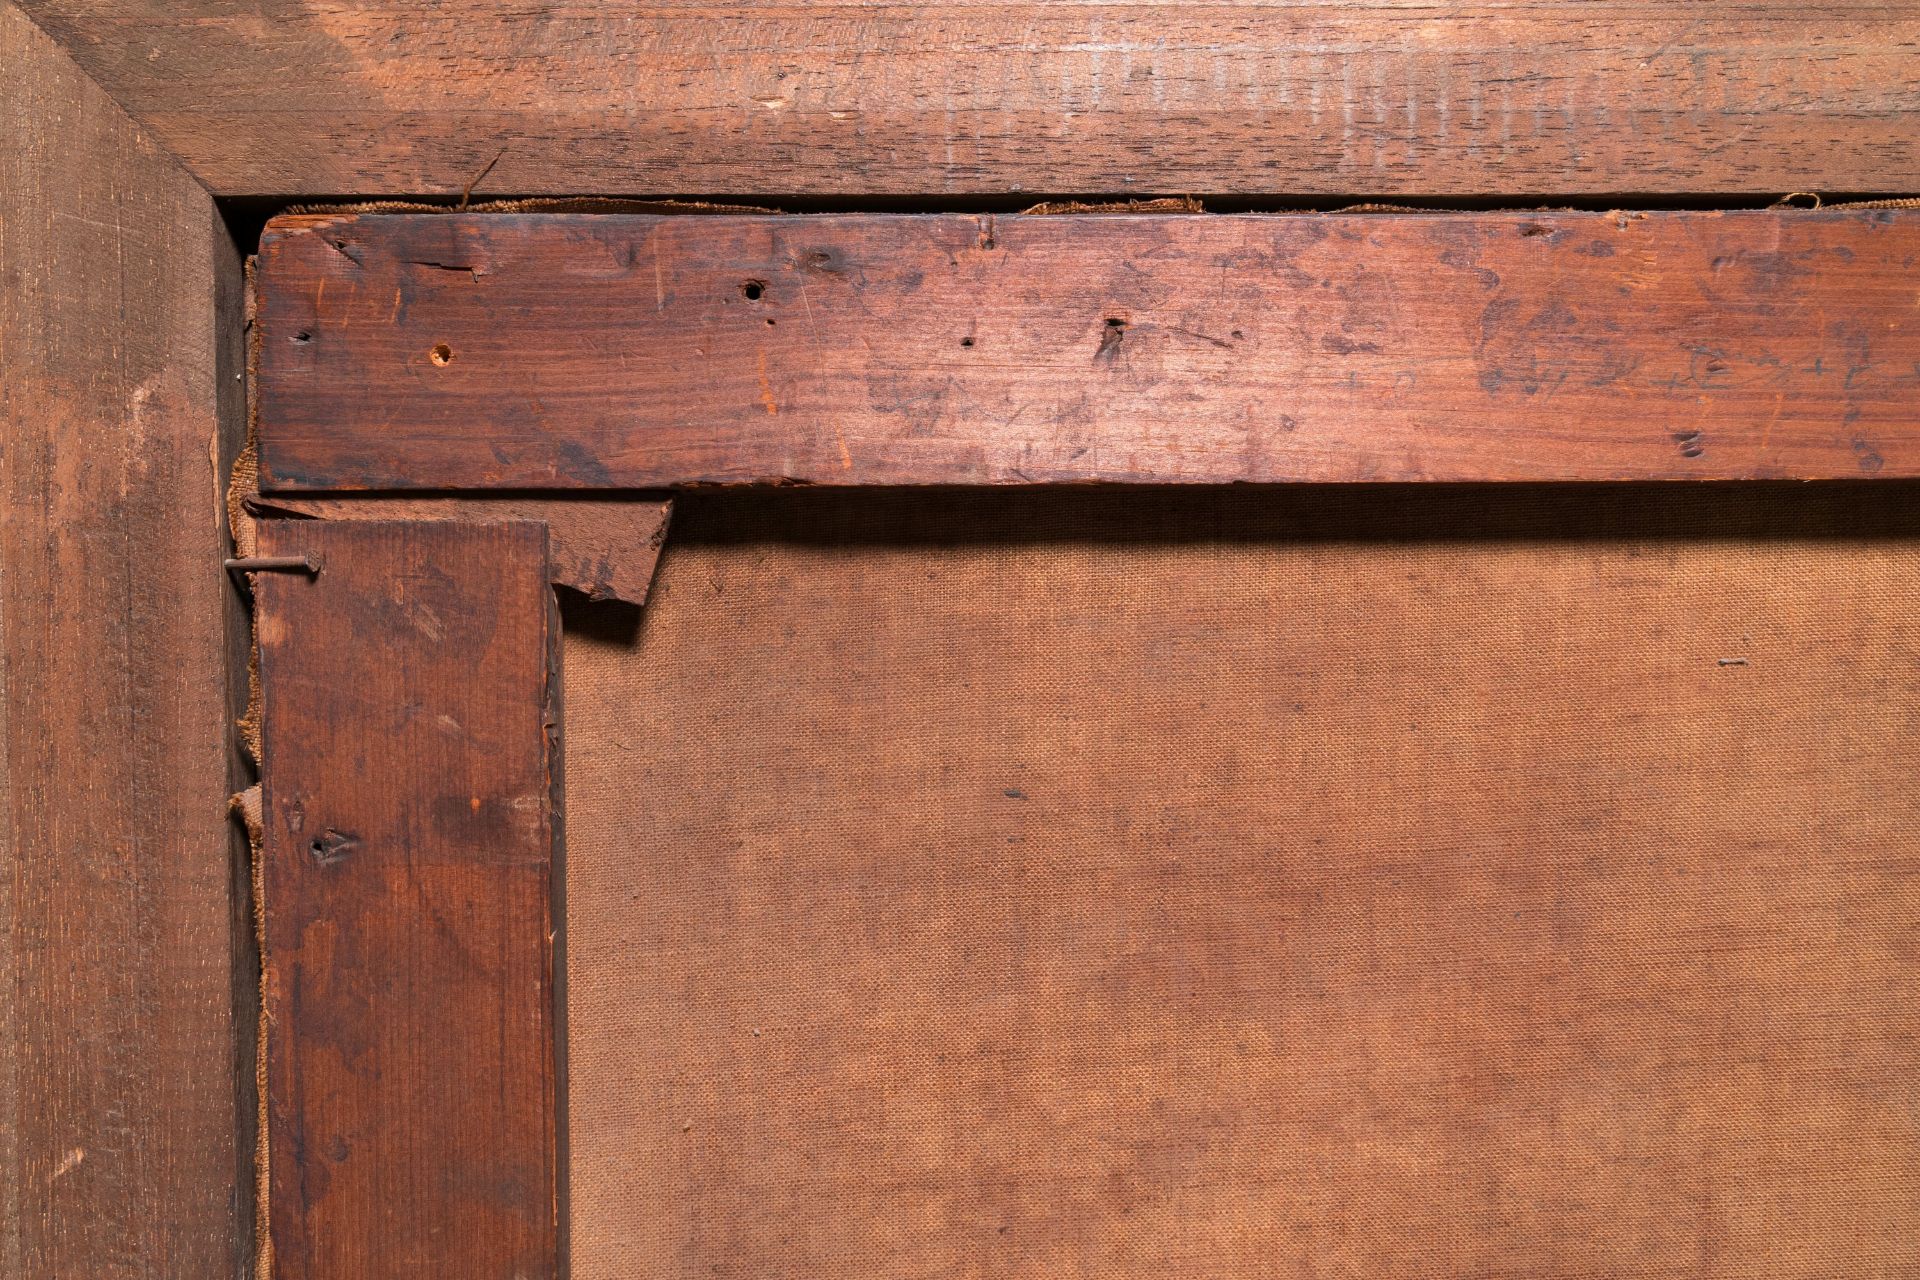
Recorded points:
(121, 898)
(475, 351)
(604, 548)
(851, 97)
(1214, 884)
(408, 855)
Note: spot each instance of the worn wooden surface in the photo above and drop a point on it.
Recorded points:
(569, 351)
(856, 98)
(122, 990)
(409, 829)
(604, 548)
(1214, 884)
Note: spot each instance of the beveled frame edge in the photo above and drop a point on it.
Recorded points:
(354, 99)
(127, 1016)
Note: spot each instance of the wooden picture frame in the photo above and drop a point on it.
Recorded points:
(137, 132)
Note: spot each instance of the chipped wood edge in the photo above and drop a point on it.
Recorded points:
(606, 548)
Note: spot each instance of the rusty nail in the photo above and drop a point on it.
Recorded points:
(274, 564)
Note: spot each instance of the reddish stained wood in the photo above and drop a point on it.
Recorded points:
(584, 351)
(860, 97)
(125, 1009)
(604, 548)
(409, 828)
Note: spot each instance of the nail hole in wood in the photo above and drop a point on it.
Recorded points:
(441, 355)
(332, 845)
(752, 290)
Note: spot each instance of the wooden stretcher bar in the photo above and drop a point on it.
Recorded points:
(654, 351)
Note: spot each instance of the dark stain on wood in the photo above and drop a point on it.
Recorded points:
(408, 853)
(1454, 347)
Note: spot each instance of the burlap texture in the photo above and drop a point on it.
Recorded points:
(1379, 882)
